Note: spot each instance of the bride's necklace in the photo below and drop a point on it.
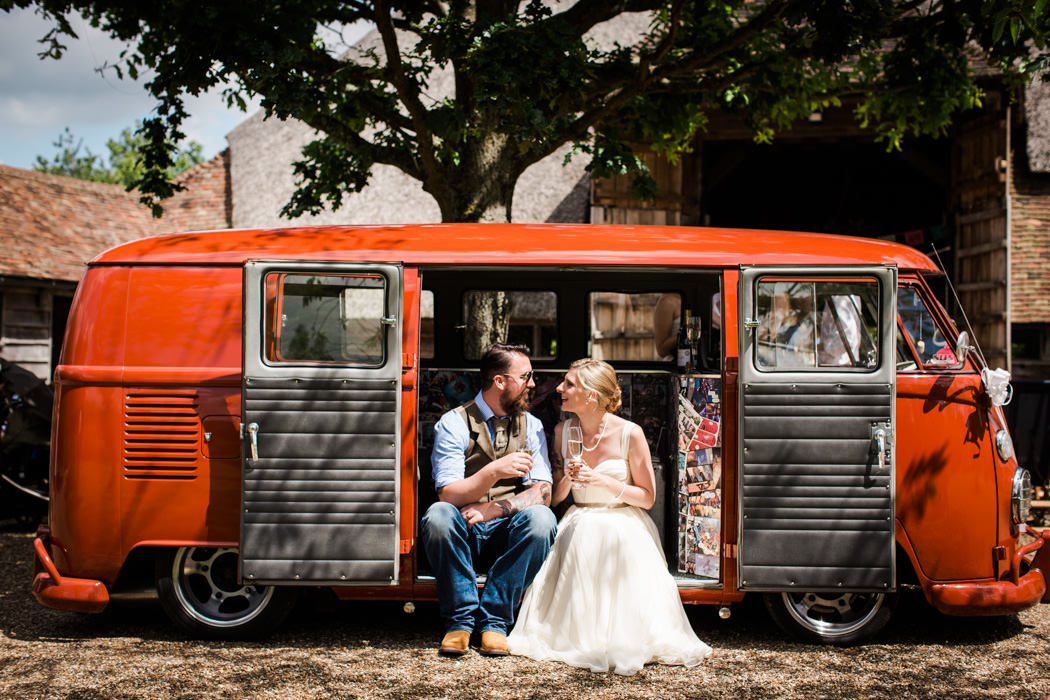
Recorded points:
(601, 434)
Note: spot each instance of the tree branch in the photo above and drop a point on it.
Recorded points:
(327, 69)
(586, 14)
(408, 92)
(398, 157)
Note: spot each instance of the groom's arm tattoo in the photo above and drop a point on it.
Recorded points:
(504, 508)
(538, 494)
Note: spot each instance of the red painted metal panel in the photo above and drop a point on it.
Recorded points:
(519, 244)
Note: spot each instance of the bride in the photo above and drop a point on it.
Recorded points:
(604, 599)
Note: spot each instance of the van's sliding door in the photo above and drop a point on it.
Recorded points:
(321, 400)
(817, 385)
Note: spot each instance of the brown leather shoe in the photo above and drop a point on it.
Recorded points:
(455, 643)
(494, 643)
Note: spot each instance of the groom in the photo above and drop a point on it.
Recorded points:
(493, 481)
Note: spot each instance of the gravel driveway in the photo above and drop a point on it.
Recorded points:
(333, 649)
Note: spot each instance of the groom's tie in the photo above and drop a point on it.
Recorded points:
(500, 440)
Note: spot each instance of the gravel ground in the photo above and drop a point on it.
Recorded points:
(334, 649)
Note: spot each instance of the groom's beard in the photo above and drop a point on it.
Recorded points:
(514, 405)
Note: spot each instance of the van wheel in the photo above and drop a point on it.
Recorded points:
(198, 590)
(827, 618)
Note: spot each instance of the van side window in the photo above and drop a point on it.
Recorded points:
(325, 318)
(525, 317)
(926, 337)
(622, 325)
(814, 324)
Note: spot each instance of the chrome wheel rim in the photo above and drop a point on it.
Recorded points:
(833, 616)
(205, 583)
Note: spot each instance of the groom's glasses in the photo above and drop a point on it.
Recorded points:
(527, 377)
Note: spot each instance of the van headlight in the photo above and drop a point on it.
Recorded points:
(1004, 445)
(1021, 496)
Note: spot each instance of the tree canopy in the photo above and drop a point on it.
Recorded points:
(525, 78)
(125, 166)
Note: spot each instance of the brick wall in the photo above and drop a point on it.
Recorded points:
(206, 203)
(1030, 248)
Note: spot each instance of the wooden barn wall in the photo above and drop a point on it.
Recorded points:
(677, 194)
(26, 328)
(980, 165)
(622, 326)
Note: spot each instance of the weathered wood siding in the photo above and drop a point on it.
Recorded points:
(622, 326)
(980, 164)
(25, 328)
(677, 194)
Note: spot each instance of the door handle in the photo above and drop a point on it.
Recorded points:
(879, 440)
(253, 440)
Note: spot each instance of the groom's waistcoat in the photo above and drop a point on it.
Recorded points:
(480, 450)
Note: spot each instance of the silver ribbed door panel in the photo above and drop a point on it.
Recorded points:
(320, 491)
(816, 502)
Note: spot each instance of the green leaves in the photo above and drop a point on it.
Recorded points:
(479, 91)
(125, 166)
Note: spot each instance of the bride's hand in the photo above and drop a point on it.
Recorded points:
(582, 474)
(572, 468)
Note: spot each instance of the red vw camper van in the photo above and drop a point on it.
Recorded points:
(241, 414)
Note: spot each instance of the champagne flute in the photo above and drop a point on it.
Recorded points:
(575, 445)
(526, 480)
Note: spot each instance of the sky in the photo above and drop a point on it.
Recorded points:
(40, 98)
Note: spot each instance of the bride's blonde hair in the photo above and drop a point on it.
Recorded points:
(599, 377)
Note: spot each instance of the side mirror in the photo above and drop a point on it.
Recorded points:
(962, 348)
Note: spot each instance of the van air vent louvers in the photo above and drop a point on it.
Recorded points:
(162, 433)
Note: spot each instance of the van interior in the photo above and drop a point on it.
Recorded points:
(610, 314)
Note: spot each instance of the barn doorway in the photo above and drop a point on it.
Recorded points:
(851, 187)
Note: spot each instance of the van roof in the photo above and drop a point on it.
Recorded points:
(527, 244)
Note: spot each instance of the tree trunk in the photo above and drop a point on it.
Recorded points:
(487, 321)
(480, 188)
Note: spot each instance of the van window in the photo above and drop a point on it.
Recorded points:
(813, 324)
(622, 325)
(325, 318)
(426, 324)
(516, 317)
(926, 337)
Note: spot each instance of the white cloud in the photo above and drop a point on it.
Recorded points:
(39, 98)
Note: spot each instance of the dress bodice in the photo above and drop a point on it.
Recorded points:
(598, 495)
(616, 467)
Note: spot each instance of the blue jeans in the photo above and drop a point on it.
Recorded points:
(511, 549)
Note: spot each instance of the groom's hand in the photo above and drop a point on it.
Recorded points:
(511, 466)
(475, 513)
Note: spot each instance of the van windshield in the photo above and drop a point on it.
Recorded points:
(930, 345)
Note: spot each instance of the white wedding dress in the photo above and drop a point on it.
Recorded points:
(603, 599)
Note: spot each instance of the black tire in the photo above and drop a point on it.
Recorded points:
(827, 618)
(198, 590)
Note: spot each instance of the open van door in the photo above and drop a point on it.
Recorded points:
(817, 388)
(321, 403)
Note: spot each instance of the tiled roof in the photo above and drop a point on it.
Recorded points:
(50, 225)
